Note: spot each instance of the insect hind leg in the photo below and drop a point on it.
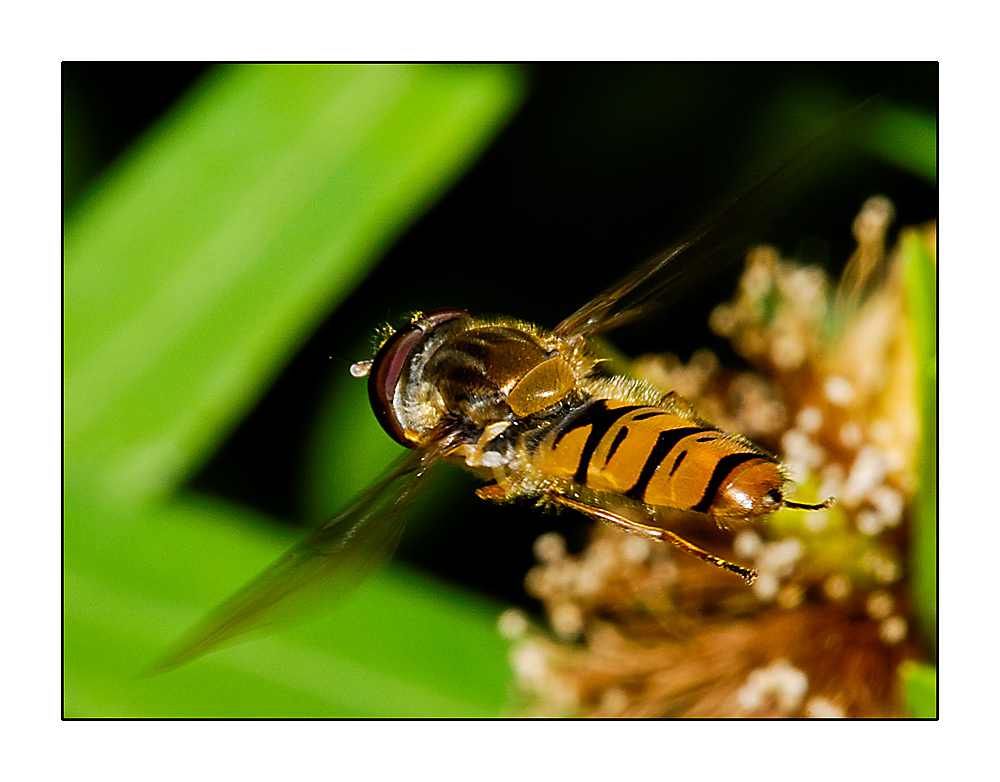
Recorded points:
(604, 514)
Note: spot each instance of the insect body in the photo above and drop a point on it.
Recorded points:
(528, 410)
(661, 457)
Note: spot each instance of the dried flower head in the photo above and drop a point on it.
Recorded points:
(637, 631)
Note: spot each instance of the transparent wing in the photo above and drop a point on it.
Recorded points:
(721, 240)
(324, 567)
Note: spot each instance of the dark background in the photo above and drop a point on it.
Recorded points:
(605, 165)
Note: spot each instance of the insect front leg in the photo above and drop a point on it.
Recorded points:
(609, 516)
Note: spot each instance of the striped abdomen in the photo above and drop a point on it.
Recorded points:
(661, 458)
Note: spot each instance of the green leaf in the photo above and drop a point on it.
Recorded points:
(905, 138)
(402, 646)
(331, 473)
(192, 273)
(920, 273)
(919, 682)
(242, 219)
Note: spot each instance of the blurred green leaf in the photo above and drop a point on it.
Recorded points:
(331, 473)
(920, 273)
(919, 689)
(225, 237)
(191, 275)
(401, 646)
(905, 138)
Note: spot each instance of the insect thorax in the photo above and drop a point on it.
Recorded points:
(479, 373)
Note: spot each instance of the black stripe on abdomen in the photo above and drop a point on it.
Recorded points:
(619, 439)
(665, 443)
(600, 419)
(723, 469)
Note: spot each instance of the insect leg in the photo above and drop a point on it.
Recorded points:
(603, 514)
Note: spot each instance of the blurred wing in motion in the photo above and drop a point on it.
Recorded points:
(324, 567)
(719, 241)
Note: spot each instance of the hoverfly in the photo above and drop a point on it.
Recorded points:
(527, 409)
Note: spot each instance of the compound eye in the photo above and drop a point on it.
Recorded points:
(384, 375)
(389, 363)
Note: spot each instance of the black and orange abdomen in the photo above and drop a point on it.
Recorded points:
(660, 457)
